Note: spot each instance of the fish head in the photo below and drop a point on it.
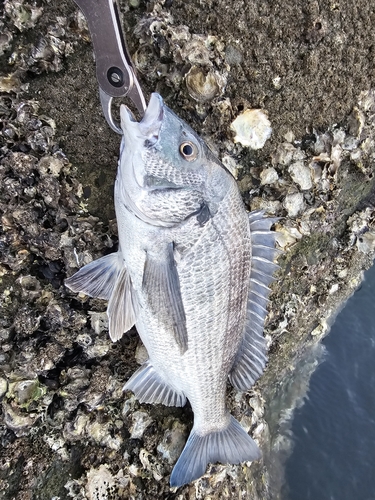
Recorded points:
(166, 171)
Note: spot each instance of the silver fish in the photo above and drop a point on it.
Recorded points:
(192, 273)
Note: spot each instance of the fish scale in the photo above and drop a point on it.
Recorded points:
(192, 273)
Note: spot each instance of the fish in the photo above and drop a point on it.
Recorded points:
(192, 273)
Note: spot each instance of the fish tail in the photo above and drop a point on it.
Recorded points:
(232, 445)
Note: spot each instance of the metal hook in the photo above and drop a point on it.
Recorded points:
(114, 69)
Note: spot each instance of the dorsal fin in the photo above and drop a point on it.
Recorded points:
(251, 357)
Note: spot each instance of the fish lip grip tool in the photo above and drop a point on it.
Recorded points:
(114, 69)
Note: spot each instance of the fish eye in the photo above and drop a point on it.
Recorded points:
(188, 151)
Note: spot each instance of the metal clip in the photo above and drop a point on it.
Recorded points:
(114, 68)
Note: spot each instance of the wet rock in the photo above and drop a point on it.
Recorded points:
(173, 442)
(140, 421)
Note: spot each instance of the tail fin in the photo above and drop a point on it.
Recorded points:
(231, 445)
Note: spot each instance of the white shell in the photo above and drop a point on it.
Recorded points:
(252, 128)
(294, 204)
(301, 174)
(268, 176)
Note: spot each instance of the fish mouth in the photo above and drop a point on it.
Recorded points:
(149, 127)
(141, 135)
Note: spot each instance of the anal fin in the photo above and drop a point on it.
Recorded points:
(149, 387)
(252, 354)
(161, 284)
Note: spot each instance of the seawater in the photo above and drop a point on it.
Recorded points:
(333, 432)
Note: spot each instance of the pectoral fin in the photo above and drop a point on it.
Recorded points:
(107, 278)
(98, 278)
(161, 284)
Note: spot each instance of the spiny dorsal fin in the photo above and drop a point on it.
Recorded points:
(251, 357)
(161, 284)
(149, 387)
(98, 278)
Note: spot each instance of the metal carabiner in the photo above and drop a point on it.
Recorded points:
(114, 68)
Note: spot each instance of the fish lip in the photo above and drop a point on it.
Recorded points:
(150, 124)
(128, 120)
(154, 111)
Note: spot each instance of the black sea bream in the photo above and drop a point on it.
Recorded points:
(192, 273)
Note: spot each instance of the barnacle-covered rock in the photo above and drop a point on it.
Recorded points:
(151, 464)
(141, 420)
(100, 484)
(24, 392)
(366, 243)
(23, 14)
(3, 386)
(285, 153)
(56, 341)
(10, 83)
(6, 38)
(269, 176)
(18, 421)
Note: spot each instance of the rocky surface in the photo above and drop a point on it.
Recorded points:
(66, 428)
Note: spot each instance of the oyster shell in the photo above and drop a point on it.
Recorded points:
(203, 85)
(252, 128)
